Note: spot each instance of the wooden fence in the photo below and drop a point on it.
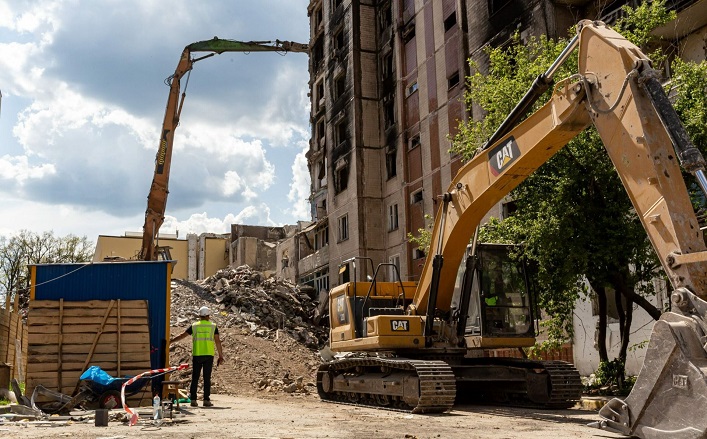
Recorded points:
(13, 341)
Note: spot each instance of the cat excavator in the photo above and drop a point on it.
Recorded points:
(414, 346)
(157, 197)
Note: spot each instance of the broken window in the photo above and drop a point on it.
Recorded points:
(321, 237)
(387, 66)
(320, 134)
(392, 217)
(453, 80)
(344, 228)
(450, 21)
(412, 88)
(391, 162)
(319, 95)
(336, 3)
(416, 196)
(339, 41)
(418, 254)
(386, 16)
(341, 175)
(389, 113)
(414, 142)
(340, 132)
(409, 32)
(340, 85)
(317, 18)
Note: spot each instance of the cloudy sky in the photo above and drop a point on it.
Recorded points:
(83, 98)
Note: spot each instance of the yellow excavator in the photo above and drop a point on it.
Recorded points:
(157, 198)
(414, 346)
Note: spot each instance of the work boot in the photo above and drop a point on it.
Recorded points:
(208, 403)
(194, 403)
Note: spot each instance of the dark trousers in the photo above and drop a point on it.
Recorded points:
(205, 362)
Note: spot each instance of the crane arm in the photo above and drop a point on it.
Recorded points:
(159, 189)
(618, 92)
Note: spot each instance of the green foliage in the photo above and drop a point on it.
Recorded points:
(424, 236)
(25, 248)
(573, 215)
(611, 379)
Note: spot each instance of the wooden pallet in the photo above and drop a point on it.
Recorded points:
(65, 338)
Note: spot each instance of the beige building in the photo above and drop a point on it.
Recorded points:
(197, 256)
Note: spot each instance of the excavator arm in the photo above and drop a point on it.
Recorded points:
(157, 198)
(618, 92)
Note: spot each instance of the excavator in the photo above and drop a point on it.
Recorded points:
(415, 346)
(157, 198)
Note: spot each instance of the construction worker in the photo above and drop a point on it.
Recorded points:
(204, 337)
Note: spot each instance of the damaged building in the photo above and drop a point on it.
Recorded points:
(386, 90)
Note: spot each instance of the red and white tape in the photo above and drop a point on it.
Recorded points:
(156, 372)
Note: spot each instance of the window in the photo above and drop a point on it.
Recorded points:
(414, 142)
(340, 85)
(453, 80)
(394, 276)
(450, 21)
(319, 95)
(392, 217)
(320, 134)
(386, 16)
(321, 174)
(391, 162)
(417, 196)
(409, 32)
(336, 3)
(387, 66)
(412, 88)
(497, 5)
(340, 133)
(389, 113)
(321, 237)
(339, 42)
(341, 176)
(417, 253)
(344, 228)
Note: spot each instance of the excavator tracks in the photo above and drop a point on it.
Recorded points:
(393, 383)
(565, 384)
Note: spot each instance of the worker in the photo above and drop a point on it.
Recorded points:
(204, 337)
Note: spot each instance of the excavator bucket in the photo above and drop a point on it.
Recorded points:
(669, 399)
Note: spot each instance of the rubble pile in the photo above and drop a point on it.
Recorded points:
(244, 298)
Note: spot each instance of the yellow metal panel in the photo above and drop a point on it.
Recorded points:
(378, 343)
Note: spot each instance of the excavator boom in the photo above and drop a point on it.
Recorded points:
(159, 189)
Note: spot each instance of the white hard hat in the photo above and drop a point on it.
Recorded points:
(204, 311)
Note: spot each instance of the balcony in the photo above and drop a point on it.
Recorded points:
(314, 261)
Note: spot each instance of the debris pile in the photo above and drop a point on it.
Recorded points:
(266, 328)
(244, 298)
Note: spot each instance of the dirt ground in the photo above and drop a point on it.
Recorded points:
(266, 390)
(285, 416)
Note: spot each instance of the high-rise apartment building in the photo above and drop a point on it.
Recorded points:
(387, 81)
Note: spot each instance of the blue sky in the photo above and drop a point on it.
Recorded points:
(84, 98)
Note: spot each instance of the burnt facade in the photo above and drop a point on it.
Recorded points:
(386, 90)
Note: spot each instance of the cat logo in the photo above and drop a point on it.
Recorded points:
(400, 325)
(503, 155)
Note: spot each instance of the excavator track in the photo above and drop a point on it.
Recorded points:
(418, 386)
(565, 384)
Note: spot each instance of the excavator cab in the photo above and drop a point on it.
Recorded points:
(501, 304)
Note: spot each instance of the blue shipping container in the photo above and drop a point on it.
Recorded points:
(137, 280)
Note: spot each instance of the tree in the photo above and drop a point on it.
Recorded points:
(25, 248)
(610, 253)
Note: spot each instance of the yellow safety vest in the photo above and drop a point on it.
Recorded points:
(202, 335)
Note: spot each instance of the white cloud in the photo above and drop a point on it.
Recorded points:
(300, 186)
(18, 169)
(82, 110)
